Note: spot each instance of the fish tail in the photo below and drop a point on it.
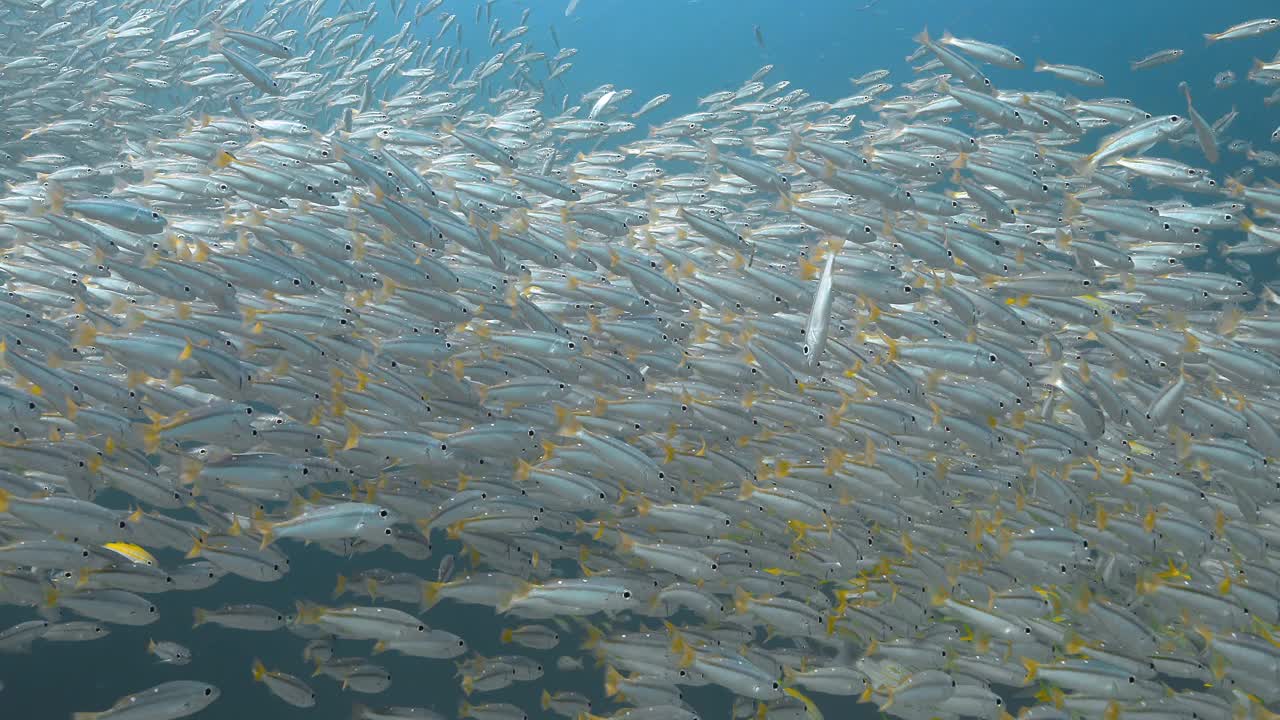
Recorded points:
(309, 613)
(222, 159)
(259, 670)
(892, 345)
(216, 35)
(57, 198)
(353, 436)
(523, 469)
(810, 708)
(612, 679)
(151, 438)
(594, 637)
(267, 531)
(430, 593)
(4, 500)
(1033, 669)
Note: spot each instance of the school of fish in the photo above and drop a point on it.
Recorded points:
(926, 407)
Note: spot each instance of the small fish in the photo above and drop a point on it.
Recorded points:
(166, 701)
(284, 686)
(1249, 28)
(1074, 73)
(169, 653)
(1160, 57)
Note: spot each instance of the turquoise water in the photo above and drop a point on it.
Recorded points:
(688, 49)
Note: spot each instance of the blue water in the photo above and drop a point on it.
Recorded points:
(688, 49)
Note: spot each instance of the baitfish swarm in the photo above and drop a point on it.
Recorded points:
(929, 411)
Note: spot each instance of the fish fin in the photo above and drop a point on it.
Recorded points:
(430, 594)
(309, 613)
(57, 198)
(1033, 669)
(266, 529)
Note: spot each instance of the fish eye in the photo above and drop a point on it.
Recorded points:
(155, 216)
(992, 357)
(208, 691)
(626, 594)
(1174, 118)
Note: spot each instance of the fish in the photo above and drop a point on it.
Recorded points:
(1159, 57)
(962, 405)
(169, 652)
(1246, 29)
(1074, 73)
(286, 687)
(176, 699)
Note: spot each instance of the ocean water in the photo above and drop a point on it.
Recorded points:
(688, 49)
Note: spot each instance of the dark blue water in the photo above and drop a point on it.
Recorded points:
(688, 49)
